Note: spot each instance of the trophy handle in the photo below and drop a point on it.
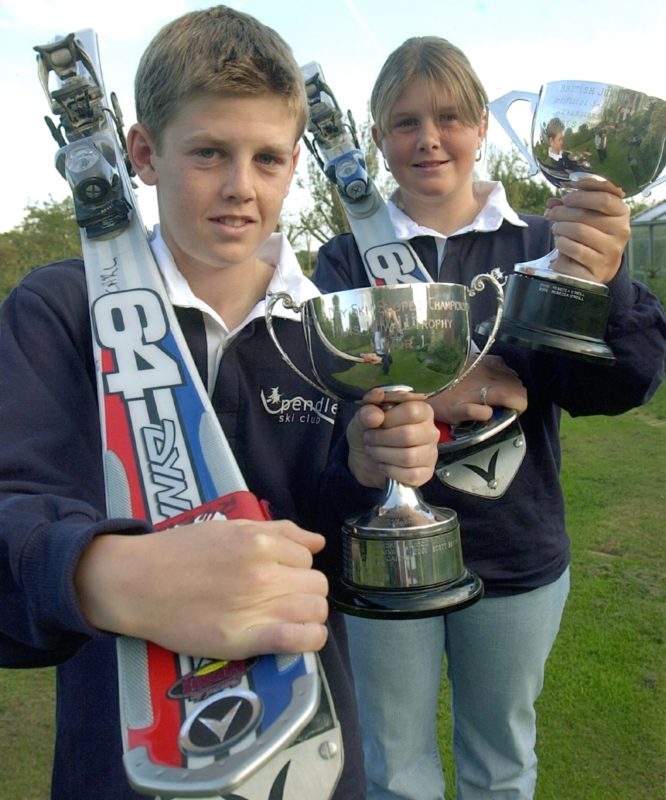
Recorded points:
(648, 189)
(496, 278)
(272, 299)
(470, 434)
(499, 109)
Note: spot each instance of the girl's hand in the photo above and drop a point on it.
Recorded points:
(591, 229)
(399, 442)
(490, 383)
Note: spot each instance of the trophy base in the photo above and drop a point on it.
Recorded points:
(558, 314)
(535, 339)
(407, 603)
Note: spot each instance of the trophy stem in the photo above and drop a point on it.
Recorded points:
(544, 268)
(402, 507)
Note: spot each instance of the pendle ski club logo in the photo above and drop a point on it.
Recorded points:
(298, 409)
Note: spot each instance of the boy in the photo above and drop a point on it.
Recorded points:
(220, 108)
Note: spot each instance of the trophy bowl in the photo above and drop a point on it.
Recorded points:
(579, 130)
(402, 558)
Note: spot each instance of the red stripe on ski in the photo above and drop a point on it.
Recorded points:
(236, 505)
(120, 440)
(161, 738)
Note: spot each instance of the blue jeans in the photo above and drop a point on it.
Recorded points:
(496, 651)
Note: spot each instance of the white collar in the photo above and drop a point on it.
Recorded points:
(277, 251)
(494, 211)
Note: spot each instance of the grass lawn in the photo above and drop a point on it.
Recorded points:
(26, 733)
(602, 714)
(602, 732)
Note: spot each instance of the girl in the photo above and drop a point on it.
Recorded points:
(430, 122)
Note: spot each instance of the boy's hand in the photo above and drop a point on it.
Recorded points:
(591, 229)
(465, 402)
(217, 589)
(398, 443)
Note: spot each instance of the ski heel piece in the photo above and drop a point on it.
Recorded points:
(89, 161)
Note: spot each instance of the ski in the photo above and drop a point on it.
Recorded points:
(264, 728)
(334, 145)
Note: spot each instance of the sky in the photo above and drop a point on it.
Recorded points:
(512, 44)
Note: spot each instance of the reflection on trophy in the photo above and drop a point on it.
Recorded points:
(403, 558)
(579, 130)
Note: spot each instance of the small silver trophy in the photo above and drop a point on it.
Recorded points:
(579, 130)
(403, 558)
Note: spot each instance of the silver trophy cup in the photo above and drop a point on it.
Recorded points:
(402, 558)
(579, 130)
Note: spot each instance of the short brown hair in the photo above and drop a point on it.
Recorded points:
(443, 65)
(219, 51)
(554, 127)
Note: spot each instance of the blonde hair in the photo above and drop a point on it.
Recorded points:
(215, 51)
(443, 65)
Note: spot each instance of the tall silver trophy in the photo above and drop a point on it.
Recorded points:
(402, 558)
(579, 130)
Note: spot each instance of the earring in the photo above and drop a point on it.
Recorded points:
(381, 152)
(479, 154)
